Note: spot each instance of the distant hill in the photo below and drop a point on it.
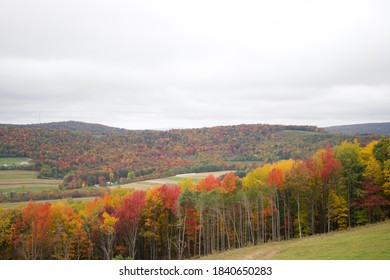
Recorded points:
(94, 150)
(73, 126)
(365, 128)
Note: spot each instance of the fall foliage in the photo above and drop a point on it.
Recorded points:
(83, 158)
(331, 188)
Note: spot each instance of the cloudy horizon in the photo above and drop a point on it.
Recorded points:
(182, 64)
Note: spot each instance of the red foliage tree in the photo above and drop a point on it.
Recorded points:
(128, 215)
(228, 183)
(371, 199)
(276, 178)
(31, 235)
(330, 165)
(209, 183)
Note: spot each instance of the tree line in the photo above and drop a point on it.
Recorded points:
(336, 188)
(82, 158)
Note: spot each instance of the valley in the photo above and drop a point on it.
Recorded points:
(192, 193)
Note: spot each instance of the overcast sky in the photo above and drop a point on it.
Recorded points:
(179, 64)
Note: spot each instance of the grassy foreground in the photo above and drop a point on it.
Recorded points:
(371, 242)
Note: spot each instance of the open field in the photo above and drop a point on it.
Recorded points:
(203, 175)
(179, 179)
(52, 201)
(27, 189)
(14, 161)
(371, 242)
(174, 180)
(23, 181)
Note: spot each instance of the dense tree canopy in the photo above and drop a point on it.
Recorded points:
(82, 158)
(333, 189)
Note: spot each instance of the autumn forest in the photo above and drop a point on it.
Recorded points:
(288, 182)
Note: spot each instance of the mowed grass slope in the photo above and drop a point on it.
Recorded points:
(371, 242)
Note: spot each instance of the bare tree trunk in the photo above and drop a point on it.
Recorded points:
(181, 235)
(312, 218)
(200, 231)
(349, 205)
(328, 212)
(258, 213)
(234, 230)
(227, 228)
(277, 216)
(274, 218)
(299, 217)
(195, 241)
(264, 224)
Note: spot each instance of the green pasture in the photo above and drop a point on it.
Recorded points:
(180, 179)
(9, 205)
(371, 242)
(13, 161)
(19, 181)
(28, 189)
(17, 174)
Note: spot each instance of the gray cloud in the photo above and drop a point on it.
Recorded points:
(159, 64)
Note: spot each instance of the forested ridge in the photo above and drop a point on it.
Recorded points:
(334, 188)
(71, 125)
(85, 158)
(366, 128)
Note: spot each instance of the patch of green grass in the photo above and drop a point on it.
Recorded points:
(9, 205)
(371, 242)
(13, 161)
(363, 243)
(24, 181)
(9, 175)
(180, 179)
(28, 189)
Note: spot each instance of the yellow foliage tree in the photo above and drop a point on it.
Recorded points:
(69, 236)
(338, 211)
(107, 235)
(372, 171)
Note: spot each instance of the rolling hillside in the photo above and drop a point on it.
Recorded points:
(371, 242)
(83, 156)
(366, 128)
(73, 126)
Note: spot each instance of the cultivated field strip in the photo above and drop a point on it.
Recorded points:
(144, 185)
(24, 179)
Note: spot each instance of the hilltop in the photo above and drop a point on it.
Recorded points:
(72, 126)
(365, 128)
(269, 198)
(81, 152)
(95, 128)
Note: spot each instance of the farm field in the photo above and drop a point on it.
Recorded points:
(14, 161)
(371, 242)
(23, 181)
(173, 180)
(9, 205)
